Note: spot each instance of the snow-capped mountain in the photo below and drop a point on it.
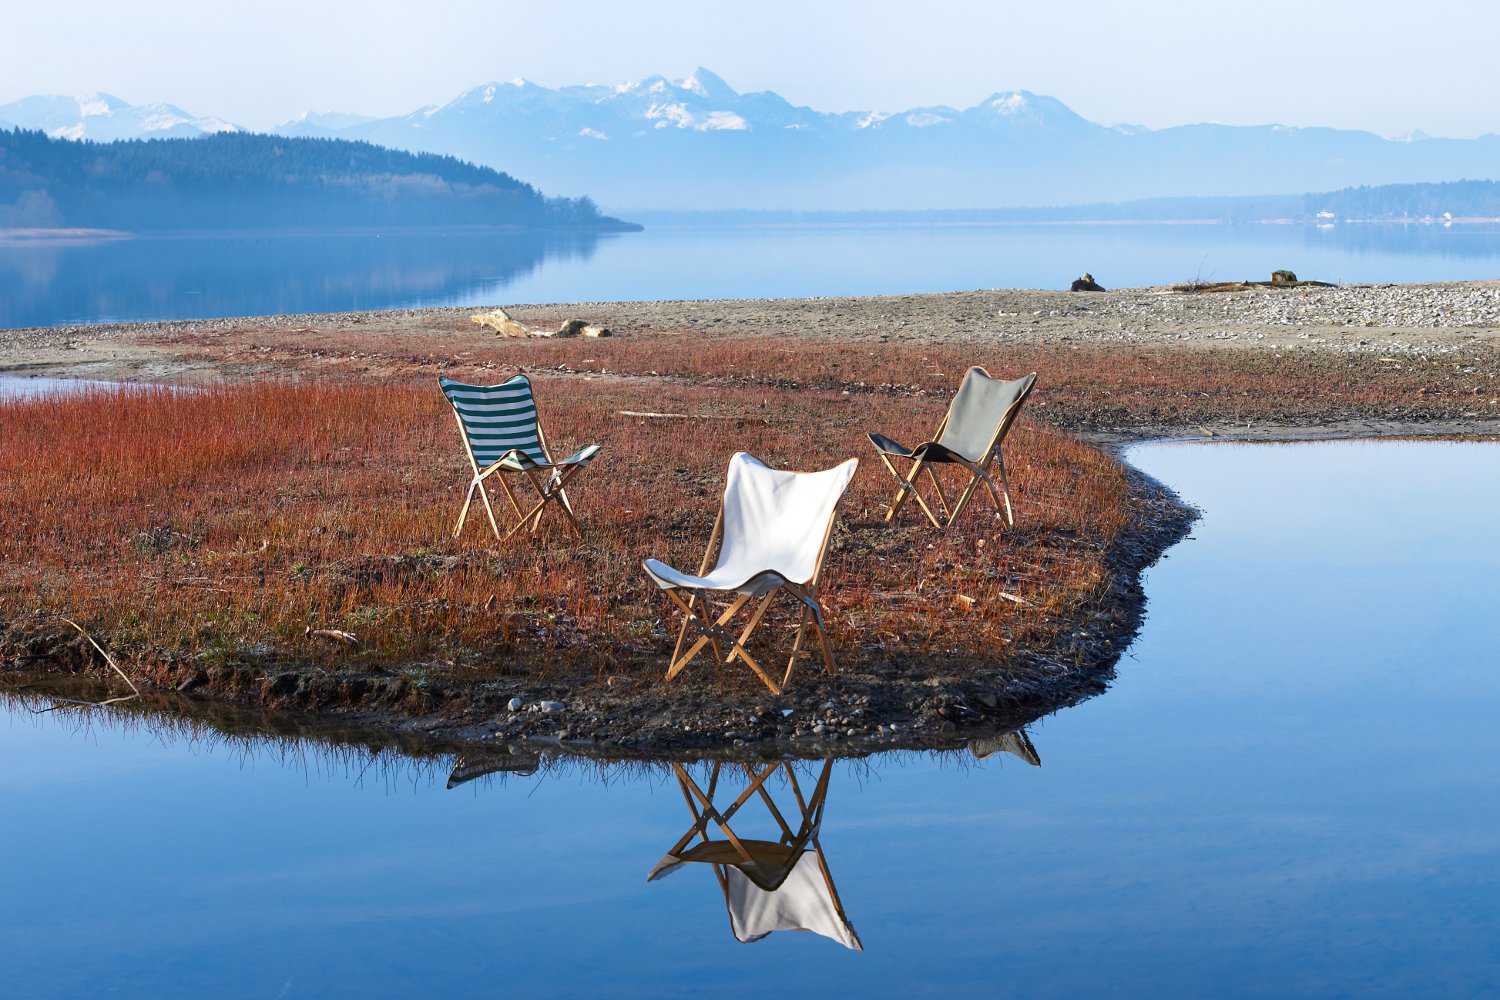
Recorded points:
(322, 123)
(697, 143)
(104, 118)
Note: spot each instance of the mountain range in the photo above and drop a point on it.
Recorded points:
(698, 144)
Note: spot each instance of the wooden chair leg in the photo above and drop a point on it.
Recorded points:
(907, 485)
(901, 491)
(682, 629)
(1010, 519)
(489, 511)
(531, 517)
(742, 650)
(464, 512)
(796, 648)
(923, 503)
(536, 512)
(938, 487)
(508, 494)
(738, 647)
(963, 501)
(711, 629)
(563, 504)
(823, 641)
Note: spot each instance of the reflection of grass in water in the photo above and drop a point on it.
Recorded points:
(219, 527)
(246, 737)
(334, 752)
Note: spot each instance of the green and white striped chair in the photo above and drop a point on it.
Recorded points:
(501, 433)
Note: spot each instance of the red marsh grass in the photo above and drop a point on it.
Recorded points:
(220, 525)
(1086, 385)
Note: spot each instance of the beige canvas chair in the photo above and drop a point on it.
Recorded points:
(969, 436)
(768, 885)
(502, 434)
(1016, 743)
(771, 535)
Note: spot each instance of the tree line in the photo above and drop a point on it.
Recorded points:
(238, 180)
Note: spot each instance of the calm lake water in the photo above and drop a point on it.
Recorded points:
(151, 278)
(1293, 789)
(38, 386)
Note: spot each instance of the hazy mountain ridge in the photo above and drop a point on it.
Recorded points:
(245, 181)
(698, 144)
(105, 118)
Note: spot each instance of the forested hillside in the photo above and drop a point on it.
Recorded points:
(1462, 199)
(245, 181)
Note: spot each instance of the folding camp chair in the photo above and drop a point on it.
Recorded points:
(768, 885)
(771, 534)
(501, 433)
(970, 435)
(1017, 743)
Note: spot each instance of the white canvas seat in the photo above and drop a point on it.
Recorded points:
(970, 436)
(502, 433)
(768, 885)
(804, 902)
(771, 535)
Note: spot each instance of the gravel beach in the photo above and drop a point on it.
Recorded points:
(1432, 319)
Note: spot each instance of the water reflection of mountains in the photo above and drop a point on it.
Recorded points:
(206, 276)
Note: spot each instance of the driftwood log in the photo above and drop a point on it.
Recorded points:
(1279, 279)
(503, 324)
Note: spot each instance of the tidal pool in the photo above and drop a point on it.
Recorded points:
(1292, 789)
(40, 386)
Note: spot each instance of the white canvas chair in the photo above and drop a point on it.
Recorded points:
(969, 436)
(502, 434)
(771, 535)
(768, 885)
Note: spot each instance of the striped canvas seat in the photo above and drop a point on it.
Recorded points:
(502, 433)
(499, 421)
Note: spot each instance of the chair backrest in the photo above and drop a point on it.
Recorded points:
(776, 520)
(982, 412)
(497, 418)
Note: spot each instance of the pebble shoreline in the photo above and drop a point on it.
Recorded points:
(1375, 319)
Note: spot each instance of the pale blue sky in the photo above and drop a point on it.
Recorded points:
(1374, 65)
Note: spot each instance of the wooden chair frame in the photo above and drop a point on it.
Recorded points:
(548, 480)
(741, 852)
(930, 453)
(695, 609)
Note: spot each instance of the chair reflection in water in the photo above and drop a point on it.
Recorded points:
(768, 885)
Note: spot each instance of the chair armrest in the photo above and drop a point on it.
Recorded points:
(583, 456)
(885, 444)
